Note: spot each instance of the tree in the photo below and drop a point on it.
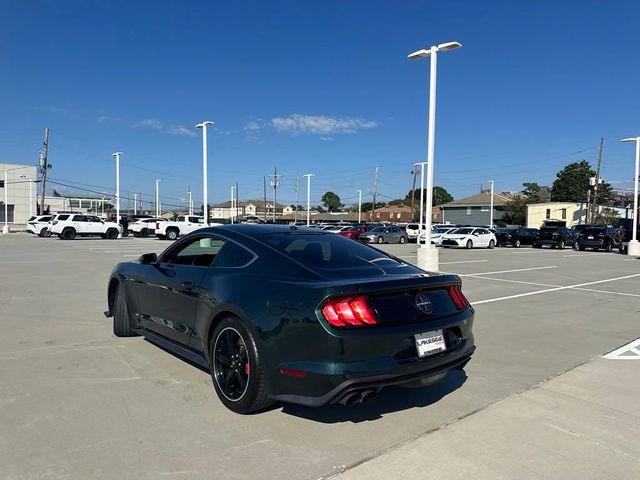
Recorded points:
(607, 216)
(440, 195)
(398, 202)
(532, 192)
(368, 206)
(572, 184)
(332, 202)
(515, 210)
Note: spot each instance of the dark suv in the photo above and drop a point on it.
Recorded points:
(606, 238)
(554, 237)
(516, 236)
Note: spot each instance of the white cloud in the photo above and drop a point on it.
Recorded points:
(180, 130)
(153, 123)
(321, 124)
(252, 126)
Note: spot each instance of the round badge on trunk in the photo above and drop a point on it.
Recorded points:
(423, 303)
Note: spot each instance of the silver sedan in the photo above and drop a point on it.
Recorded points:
(384, 235)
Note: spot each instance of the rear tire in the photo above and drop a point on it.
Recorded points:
(236, 368)
(172, 234)
(403, 240)
(561, 245)
(111, 234)
(469, 245)
(144, 233)
(68, 234)
(121, 320)
(491, 244)
(517, 244)
(379, 240)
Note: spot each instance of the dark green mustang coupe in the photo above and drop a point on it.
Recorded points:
(293, 314)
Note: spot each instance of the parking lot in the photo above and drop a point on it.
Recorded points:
(79, 403)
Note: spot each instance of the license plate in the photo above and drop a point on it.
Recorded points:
(430, 343)
(590, 237)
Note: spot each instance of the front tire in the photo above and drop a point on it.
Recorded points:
(111, 234)
(403, 240)
(469, 245)
(491, 244)
(121, 320)
(379, 240)
(236, 368)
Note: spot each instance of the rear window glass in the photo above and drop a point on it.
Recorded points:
(592, 231)
(548, 229)
(327, 251)
(62, 217)
(413, 226)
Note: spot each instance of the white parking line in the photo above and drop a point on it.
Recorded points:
(630, 259)
(630, 351)
(592, 254)
(507, 271)
(556, 286)
(509, 297)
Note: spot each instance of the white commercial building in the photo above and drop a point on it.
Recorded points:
(17, 194)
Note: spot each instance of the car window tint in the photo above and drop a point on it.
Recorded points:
(79, 218)
(95, 219)
(199, 252)
(327, 251)
(232, 255)
(45, 219)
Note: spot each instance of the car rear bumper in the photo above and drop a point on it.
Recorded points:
(429, 372)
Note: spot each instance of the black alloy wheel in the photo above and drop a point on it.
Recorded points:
(516, 244)
(144, 233)
(236, 369)
(379, 240)
(68, 234)
(112, 234)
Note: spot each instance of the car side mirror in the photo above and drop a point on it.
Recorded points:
(149, 258)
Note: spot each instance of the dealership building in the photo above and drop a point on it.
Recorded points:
(17, 194)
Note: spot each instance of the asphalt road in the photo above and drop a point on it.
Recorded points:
(78, 403)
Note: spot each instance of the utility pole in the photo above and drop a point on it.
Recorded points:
(413, 194)
(237, 196)
(190, 200)
(594, 200)
(233, 187)
(375, 192)
(44, 166)
(135, 203)
(264, 184)
(275, 183)
(295, 210)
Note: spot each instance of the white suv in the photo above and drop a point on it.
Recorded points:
(39, 224)
(70, 226)
(144, 226)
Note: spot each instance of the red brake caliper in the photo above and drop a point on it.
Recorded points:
(246, 369)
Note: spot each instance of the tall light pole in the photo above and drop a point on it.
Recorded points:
(117, 155)
(231, 204)
(421, 219)
(205, 199)
(190, 202)
(158, 198)
(5, 229)
(428, 254)
(359, 205)
(634, 246)
(308, 175)
(135, 204)
(491, 206)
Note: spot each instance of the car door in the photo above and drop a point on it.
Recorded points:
(94, 225)
(483, 237)
(168, 291)
(80, 224)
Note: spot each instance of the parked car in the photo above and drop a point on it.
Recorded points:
(598, 237)
(338, 228)
(384, 235)
(353, 232)
(436, 235)
(625, 227)
(516, 236)
(554, 237)
(144, 226)
(39, 225)
(356, 321)
(182, 225)
(413, 229)
(70, 226)
(469, 237)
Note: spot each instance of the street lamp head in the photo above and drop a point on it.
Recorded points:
(419, 54)
(116, 154)
(204, 124)
(634, 139)
(448, 46)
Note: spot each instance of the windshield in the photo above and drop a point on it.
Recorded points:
(463, 231)
(378, 230)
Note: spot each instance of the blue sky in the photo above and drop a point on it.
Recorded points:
(317, 87)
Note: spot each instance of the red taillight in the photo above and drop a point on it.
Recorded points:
(348, 312)
(458, 298)
(157, 226)
(293, 373)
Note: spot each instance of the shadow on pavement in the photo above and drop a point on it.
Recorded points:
(389, 399)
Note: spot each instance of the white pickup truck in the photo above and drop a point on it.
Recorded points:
(180, 226)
